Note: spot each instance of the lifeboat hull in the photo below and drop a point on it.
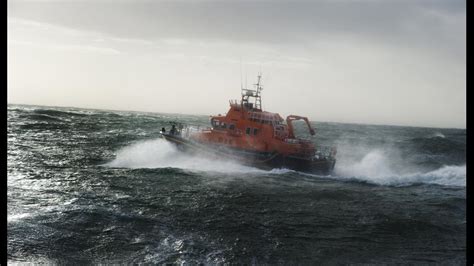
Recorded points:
(262, 160)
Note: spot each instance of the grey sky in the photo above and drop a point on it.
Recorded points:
(383, 62)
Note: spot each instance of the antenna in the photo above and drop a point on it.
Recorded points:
(259, 88)
(245, 78)
(241, 86)
(262, 90)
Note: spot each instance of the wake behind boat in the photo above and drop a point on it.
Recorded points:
(254, 137)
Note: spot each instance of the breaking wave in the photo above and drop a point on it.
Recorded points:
(438, 135)
(377, 168)
(159, 153)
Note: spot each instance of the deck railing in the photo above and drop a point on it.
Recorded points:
(326, 151)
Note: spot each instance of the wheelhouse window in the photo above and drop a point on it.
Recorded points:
(247, 131)
(255, 131)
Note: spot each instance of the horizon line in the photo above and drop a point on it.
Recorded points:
(137, 111)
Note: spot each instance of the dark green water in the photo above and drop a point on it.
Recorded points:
(89, 186)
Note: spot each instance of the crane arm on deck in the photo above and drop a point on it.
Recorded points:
(289, 120)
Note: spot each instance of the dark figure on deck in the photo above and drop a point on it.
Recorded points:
(163, 130)
(173, 130)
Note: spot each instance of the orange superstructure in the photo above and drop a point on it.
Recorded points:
(246, 126)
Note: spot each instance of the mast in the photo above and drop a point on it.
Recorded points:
(247, 93)
(258, 98)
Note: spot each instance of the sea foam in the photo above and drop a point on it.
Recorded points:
(158, 153)
(375, 167)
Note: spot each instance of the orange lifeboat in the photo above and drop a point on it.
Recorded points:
(255, 137)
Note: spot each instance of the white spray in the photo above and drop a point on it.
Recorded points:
(376, 166)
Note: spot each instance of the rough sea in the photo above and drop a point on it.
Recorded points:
(90, 186)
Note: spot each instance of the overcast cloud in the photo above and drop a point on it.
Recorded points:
(383, 62)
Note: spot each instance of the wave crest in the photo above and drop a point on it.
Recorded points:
(159, 153)
(377, 168)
